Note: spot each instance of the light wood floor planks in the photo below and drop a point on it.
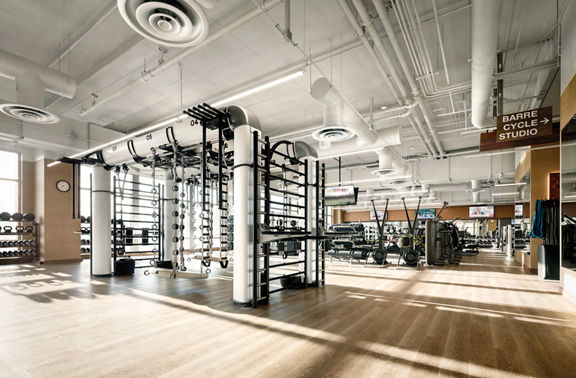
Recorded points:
(484, 318)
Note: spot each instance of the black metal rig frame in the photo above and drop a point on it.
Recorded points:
(295, 226)
(150, 228)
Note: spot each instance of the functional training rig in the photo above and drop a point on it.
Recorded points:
(278, 200)
(136, 220)
(288, 181)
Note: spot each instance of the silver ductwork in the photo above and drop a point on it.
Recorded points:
(485, 21)
(32, 81)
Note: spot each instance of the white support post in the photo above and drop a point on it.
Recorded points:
(311, 219)
(101, 229)
(169, 195)
(243, 214)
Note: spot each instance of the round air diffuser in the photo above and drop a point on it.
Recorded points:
(29, 113)
(333, 134)
(174, 23)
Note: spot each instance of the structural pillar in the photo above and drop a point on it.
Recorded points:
(243, 214)
(169, 195)
(101, 229)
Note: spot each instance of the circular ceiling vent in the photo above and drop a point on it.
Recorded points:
(174, 23)
(384, 172)
(29, 113)
(398, 182)
(333, 134)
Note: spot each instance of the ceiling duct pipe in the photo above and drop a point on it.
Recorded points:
(339, 115)
(385, 166)
(387, 60)
(476, 189)
(32, 81)
(485, 21)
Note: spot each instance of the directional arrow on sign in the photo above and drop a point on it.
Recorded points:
(545, 120)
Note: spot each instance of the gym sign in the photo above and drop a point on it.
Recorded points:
(524, 125)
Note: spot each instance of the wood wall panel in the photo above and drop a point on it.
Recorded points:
(449, 213)
(568, 103)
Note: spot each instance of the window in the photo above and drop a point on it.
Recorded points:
(85, 174)
(10, 182)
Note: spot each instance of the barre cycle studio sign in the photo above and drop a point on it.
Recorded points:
(524, 125)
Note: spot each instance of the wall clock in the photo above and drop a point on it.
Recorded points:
(63, 185)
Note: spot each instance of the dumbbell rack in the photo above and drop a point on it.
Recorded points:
(12, 251)
(85, 248)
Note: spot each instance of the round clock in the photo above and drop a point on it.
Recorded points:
(63, 185)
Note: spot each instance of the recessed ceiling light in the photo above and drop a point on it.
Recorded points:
(383, 107)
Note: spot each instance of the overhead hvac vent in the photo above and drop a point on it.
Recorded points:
(383, 171)
(29, 113)
(174, 23)
(333, 134)
(398, 182)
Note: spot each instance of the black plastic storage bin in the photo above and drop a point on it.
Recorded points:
(124, 267)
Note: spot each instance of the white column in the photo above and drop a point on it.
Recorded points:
(243, 214)
(101, 229)
(311, 219)
(169, 195)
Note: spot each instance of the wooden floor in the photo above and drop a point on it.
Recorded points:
(484, 318)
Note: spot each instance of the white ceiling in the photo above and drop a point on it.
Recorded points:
(111, 54)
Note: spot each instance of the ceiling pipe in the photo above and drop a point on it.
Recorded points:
(32, 80)
(147, 75)
(485, 22)
(362, 35)
(339, 112)
(387, 60)
(476, 188)
(13, 66)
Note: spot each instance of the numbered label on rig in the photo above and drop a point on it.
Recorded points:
(523, 125)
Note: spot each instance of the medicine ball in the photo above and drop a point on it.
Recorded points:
(17, 216)
(29, 217)
(5, 216)
(404, 241)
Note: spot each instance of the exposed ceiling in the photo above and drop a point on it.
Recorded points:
(91, 42)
